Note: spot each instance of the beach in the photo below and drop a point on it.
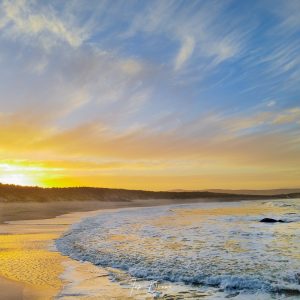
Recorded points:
(26, 258)
(82, 255)
(29, 268)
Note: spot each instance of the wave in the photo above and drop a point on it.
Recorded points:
(171, 244)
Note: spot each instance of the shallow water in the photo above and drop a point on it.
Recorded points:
(207, 250)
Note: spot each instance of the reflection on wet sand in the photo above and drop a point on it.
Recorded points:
(28, 259)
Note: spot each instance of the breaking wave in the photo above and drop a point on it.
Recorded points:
(199, 244)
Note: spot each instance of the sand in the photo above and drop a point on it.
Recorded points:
(39, 210)
(32, 269)
(43, 210)
(10, 290)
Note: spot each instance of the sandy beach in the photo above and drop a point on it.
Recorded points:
(26, 259)
(32, 269)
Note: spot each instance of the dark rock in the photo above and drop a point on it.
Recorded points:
(232, 295)
(270, 220)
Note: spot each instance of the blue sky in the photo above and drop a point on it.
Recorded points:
(193, 87)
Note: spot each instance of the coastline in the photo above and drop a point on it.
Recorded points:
(15, 211)
(30, 267)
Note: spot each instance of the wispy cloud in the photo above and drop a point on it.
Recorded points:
(20, 19)
(185, 52)
(271, 103)
(289, 116)
(196, 26)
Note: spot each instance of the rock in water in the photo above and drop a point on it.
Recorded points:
(270, 220)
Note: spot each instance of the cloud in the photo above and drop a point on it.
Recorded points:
(262, 121)
(212, 138)
(271, 103)
(196, 25)
(288, 116)
(276, 63)
(289, 12)
(20, 20)
(93, 151)
(185, 52)
(65, 86)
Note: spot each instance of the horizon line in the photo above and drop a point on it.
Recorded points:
(175, 190)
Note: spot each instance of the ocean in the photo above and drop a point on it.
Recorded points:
(214, 250)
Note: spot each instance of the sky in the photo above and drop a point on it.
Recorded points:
(154, 95)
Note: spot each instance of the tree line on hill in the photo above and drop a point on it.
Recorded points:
(15, 193)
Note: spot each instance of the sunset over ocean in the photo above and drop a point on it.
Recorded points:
(149, 149)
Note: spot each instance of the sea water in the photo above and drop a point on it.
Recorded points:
(205, 250)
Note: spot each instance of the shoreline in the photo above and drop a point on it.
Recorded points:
(31, 268)
(15, 211)
(27, 234)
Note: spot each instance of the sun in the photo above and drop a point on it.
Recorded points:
(17, 174)
(17, 179)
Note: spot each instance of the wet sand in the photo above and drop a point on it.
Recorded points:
(38, 210)
(42, 210)
(10, 290)
(30, 267)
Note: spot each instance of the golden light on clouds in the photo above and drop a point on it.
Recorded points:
(93, 154)
(161, 175)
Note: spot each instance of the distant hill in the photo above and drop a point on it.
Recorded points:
(245, 192)
(14, 193)
(257, 192)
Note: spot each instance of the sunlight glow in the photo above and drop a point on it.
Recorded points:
(17, 179)
(19, 173)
